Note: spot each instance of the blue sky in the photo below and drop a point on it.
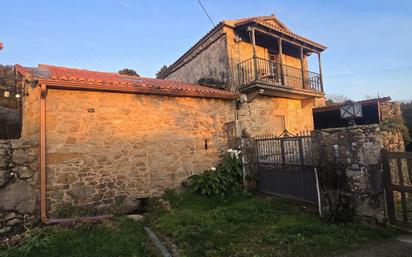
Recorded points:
(369, 41)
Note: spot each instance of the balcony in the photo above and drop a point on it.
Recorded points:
(278, 79)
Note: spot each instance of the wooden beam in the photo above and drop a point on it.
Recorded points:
(253, 38)
(315, 50)
(302, 65)
(320, 72)
(282, 79)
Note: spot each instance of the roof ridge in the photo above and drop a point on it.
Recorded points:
(40, 66)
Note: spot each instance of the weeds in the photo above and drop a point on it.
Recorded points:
(245, 225)
(127, 238)
(220, 182)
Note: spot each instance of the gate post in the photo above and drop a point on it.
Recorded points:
(390, 202)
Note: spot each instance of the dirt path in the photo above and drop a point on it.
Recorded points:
(399, 247)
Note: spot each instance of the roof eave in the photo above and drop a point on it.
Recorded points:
(302, 40)
(67, 85)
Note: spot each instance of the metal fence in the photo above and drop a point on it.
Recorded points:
(273, 73)
(285, 166)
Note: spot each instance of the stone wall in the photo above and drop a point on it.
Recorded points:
(31, 114)
(264, 116)
(390, 110)
(107, 150)
(18, 184)
(350, 171)
(208, 64)
(392, 141)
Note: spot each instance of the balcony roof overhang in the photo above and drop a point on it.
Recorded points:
(284, 34)
(267, 89)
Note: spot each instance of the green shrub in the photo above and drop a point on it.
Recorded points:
(225, 179)
(396, 125)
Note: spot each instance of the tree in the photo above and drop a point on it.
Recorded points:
(164, 67)
(6, 77)
(336, 99)
(129, 72)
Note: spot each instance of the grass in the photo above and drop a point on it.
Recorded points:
(253, 226)
(120, 238)
(247, 226)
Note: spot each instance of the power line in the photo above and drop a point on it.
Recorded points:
(204, 9)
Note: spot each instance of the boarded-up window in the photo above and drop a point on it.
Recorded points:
(279, 122)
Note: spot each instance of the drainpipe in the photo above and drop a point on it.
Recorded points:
(43, 182)
(318, 192)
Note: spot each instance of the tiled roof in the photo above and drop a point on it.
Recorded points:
(262, 20)
(55, 76)
(270, 18)
(363, 102)
(282, 29)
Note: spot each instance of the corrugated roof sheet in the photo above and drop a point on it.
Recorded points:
(363, 102)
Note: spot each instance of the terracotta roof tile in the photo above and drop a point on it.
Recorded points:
(56, 76)
(261, 18)
(282, 29)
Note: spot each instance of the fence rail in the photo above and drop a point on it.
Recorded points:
(285, 149)
(274, 73)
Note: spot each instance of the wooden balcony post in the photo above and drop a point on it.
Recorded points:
(302, 66)
(320, 72)
(282, 79)
(253, 39)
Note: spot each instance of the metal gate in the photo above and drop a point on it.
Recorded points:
(398, 186)
(285, 166)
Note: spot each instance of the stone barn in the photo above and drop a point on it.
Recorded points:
(108, 140)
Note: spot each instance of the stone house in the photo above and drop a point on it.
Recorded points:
(105, 141)
(267, 63)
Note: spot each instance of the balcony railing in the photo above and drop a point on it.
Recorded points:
(276, 74)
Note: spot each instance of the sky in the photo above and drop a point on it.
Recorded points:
(369, 41)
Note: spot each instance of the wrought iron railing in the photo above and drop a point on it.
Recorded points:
(276, 74)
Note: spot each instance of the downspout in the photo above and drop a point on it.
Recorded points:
(43, 94)
(43, 182)
(318, 192)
